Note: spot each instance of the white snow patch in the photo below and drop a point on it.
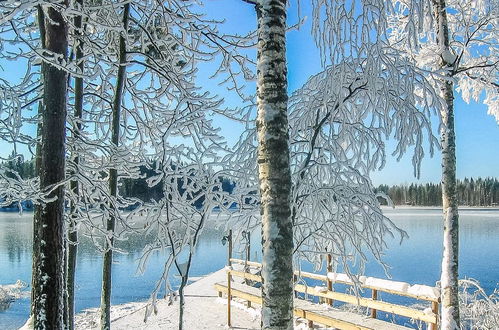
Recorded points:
(320, 289)
(28, 325)
(424, 290)
(340, 277)
(239, 304)
(428, 311)
(387, 284)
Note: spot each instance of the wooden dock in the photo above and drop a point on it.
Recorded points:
(313, 311)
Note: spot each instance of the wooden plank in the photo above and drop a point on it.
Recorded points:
(367, 302)
(325, 279)
(248, 276)
(361, 301)
(401, 293)
(243, 262)
(239, 294)
(312, 312)
(312, 276)
(343, 319)
(327, 321)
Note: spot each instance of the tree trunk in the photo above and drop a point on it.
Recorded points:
(38, 163)
(182, 302)
(78, 113)
(48, 255)
(449, 277)
(105, 319)
(274, 167)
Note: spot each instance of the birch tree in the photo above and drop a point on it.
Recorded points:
(274, 167)
(455, 43)
(450, 261)
(338, 122)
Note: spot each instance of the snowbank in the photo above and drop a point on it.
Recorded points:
(344, 278)
(424, 291)
(387, 284)
(203, 311)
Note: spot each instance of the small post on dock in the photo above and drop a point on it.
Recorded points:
(248, 247)
(374, 313)
(229, 254)
(329, 268)
(434, 309)
(228, 298)
(247, 235)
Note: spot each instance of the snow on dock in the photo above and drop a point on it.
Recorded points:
(203, 310)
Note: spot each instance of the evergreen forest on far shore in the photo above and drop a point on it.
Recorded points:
(470, 192)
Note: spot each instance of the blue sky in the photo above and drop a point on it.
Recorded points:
(477, 133)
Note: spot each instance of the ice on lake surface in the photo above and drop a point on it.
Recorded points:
(416, 261)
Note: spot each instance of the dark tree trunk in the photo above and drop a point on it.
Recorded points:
(38, 163)
(113, 178)
(78, 113)
(48, 255)
(274, 167)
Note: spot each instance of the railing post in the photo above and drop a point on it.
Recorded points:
(374, 297)
(229, 254)
(434, 309)
(329, 267)
(228, 298)
(248, 248)
(248, 256)
(295, 279)
(248, 252)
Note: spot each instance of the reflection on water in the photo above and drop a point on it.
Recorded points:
(416, 260)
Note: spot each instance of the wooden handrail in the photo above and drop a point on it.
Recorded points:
(324, 279)
(370, 303)
(245, 275)
(244, 262)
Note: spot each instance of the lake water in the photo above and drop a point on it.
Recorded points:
(417, 260)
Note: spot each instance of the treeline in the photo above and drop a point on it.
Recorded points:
(470, 192)
(25, 168)
(136, 188)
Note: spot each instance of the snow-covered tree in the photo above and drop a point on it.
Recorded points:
(72, 246)
(48, 260)
(455, 44)
(274, 166)
(338, 122)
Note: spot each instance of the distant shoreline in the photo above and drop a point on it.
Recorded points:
(463, 207)
(383, 207)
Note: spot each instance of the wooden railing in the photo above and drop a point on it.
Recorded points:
(431, 318)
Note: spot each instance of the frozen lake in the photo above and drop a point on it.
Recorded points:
(417, 260)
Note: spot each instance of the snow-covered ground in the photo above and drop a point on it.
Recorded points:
(203, 310)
